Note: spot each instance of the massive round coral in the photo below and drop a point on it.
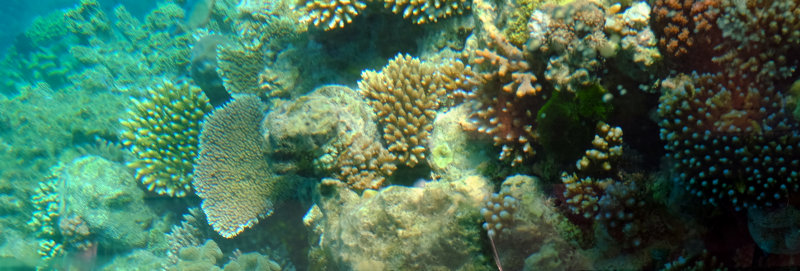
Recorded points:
(162, 133)
(732, 141)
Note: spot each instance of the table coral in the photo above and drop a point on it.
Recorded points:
(162, 132)
(731, 140)
(406, 95)
(232, 174)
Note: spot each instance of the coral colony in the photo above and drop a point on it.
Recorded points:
(403, 135)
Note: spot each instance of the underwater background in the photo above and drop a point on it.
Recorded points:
(399, 135)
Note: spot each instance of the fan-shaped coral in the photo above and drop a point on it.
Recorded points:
(162, 132)
(232, 174)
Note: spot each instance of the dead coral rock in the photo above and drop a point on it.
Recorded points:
(107, 198)
(408, 228)
(330, 130)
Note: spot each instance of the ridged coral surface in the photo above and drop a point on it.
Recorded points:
(232, 176)
(162, 132)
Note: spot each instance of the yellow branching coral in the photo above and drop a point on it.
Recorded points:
(331, 14)
(406, 94)
(232, 175)
(162, 132)
(424, 11)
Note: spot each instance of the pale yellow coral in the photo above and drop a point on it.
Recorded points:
(331, 14)
(406, 94)
(424, 11)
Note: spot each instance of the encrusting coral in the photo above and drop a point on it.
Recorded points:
(162, 132)
(406, 94)
(232, 175)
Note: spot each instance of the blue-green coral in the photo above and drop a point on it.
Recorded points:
(162, 132)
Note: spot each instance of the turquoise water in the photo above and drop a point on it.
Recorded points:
(424, 135)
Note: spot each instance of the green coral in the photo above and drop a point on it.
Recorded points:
(162, 132)
(517, 29)
(571, 114)
(48, 28)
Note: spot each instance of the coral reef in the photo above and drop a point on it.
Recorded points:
(187, 234)
(231, 173)
(88, 203)
(506, 100)
(527, 230)
(338, 134)
(687, 29)
(424, 11)
(732, 141)
(43, 121)
(453, 154)
(750, 28)
(162, 131)
(376, 230)
(330, 14)
(406, 95)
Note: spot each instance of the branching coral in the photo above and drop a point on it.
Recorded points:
(731, 140)
(406, 94)
(423, 11)
(599, 192)
(162, 132)
(571, 37)
(188, 234)
(232, 175)
(687, 29)
(507, 99)
(761, 39)
(45, 218)
(331, 14)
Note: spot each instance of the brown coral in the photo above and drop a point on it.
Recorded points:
(687, 28)
(406, 94)
(232, 176)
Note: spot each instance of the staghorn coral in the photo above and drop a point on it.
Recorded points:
(731, 140)
(505, 103)
(231, 173)
(406, 95)
(162, 132)
(428, 11)
(330, 14)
